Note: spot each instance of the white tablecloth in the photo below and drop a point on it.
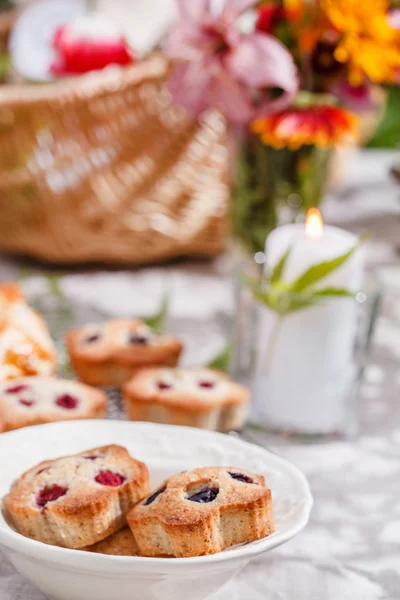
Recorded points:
(351, 549)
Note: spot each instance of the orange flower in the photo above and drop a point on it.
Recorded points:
(322, 126)
(369, 44)
(308, 22)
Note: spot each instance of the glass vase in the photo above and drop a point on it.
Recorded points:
(304, 368)
(275, 186)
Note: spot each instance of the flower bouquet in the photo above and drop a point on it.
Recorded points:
(290, 76)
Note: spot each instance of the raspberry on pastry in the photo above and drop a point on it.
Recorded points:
(194, 397)
(111, 353)
(35, 400)
(121, 543)
(25, 344)
(202, 512)
(77, 501)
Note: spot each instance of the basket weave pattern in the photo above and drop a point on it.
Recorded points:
(107, 168)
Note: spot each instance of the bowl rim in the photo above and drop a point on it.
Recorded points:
(80, 560)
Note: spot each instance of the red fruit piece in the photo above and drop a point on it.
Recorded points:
(109, 479)
(67, 401)
(163, 385)
(50, 494)
(206, 384)
(26, 402)
(16, 389)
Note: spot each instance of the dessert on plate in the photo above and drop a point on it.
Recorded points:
(77, 501)
(29, 401)
(194, 397)
(25, 344)
(202, 512)
(111, 353)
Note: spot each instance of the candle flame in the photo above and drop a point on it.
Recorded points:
(314, 224)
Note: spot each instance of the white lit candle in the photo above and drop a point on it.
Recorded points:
(305, 371)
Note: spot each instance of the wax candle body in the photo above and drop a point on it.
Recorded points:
(305, 371)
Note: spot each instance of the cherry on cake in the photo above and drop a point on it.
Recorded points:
(202, 398)
(109, 354)
(25, 344)
(202, 512)
(77, 501)
(36, 400)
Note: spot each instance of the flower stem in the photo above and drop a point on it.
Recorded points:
(268, 354)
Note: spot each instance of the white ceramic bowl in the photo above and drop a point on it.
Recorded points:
(73, 575)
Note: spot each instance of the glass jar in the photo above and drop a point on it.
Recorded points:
(303, 368)
(275, 186)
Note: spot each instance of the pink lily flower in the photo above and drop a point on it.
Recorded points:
(218, 65)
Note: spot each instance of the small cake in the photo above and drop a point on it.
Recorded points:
(77, 501)
(121, 543)
(35, 400)
(111, 353)
(202, 512)
(25, 344)
(194, 397)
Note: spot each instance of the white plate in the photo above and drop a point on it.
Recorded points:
(72, 575)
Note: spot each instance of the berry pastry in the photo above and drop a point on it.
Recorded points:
(110, 354)
(195, 397)
(202, 512)
(77, 501)
(25, 344)
(121, 543)
(36, 400)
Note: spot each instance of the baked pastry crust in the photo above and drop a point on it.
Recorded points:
(121, 543)
(202, 398)
(25, 344)
(36, 400)
(202, 512)
(77, 501)
(111, 353)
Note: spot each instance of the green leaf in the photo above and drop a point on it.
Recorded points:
(279, 268)
(335, 292)
(221, 361)
(318, 272)
(157, 321)
(5, 65)
(54, 282)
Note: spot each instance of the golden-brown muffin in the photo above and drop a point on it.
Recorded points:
(111, 353)
(202, 512)
(36, 400)
(193, 397)
(76, 501)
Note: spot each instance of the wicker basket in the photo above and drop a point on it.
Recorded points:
(106, 168)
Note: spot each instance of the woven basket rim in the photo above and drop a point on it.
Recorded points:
(91, 84)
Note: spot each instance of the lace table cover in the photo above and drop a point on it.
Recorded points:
(351, 549)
